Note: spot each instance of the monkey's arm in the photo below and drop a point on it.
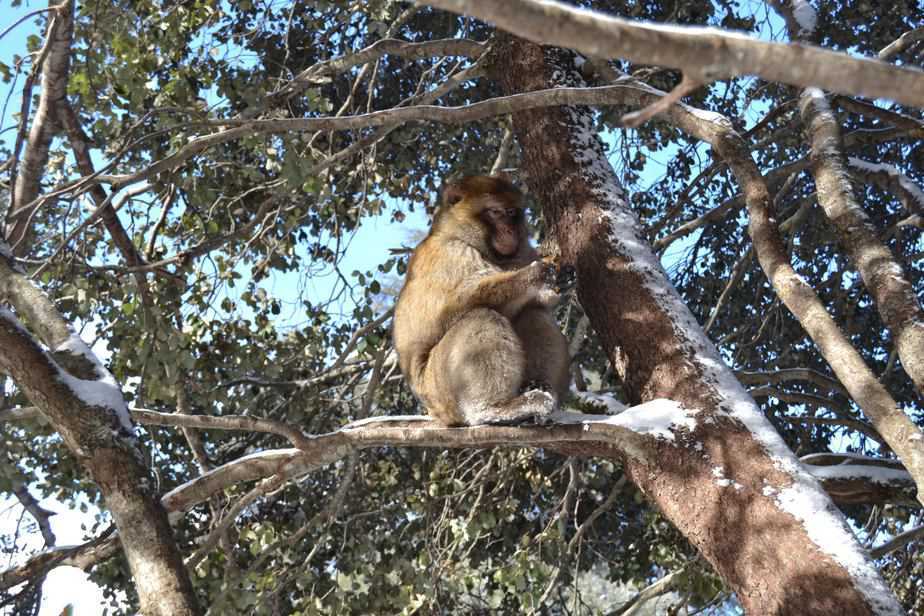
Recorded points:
(509, 292)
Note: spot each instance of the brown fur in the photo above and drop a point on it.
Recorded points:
(473, 328)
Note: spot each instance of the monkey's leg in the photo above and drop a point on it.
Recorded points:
(547, 361)
(477, 371)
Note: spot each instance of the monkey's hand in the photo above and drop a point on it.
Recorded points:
(554, 279)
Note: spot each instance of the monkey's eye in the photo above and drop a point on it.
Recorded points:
(512, 212)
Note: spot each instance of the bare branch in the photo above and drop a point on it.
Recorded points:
(82, 556)
(395, 116)
(315, 75)
(637, 118)
(855, 484)
(853, 424)
(882, 275)
(792, 374)
(31, 504)
(656, 589)
(243, 423)
(55, 68)
(899, 541)
(829, 459)
(891, 179)
(883, 115)
(902, 435)
(900, 44)
(291, 89)
(212, 539)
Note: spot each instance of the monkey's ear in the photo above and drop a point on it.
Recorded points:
(453, 193)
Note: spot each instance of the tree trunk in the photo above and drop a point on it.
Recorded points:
(85, 405)
(731, 486)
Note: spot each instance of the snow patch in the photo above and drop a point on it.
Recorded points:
(830, 533)
(722, 481)
(102, 392)
(659, 418)
(269, 454)
(708, 116)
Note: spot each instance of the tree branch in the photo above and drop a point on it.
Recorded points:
(395, 116)
(703, 54)
(243, 423)
(628, 434)
(899, 541)
(791, 374)
(54, 88)
(883, 276)
(314, 75)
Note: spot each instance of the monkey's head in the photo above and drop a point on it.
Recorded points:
(486, 212)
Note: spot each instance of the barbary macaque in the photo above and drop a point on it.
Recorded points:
(473, 326)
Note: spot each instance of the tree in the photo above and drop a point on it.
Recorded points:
(194, 184)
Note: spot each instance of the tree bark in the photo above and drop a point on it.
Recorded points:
(733, 476)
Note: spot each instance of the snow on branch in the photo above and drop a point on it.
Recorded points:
(892, 179)
(101, 389)
(63, 393)
(851, 478)
(703, 54)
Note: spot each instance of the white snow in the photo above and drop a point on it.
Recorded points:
(722, 481)
(819, 96)
(104, 391)
(269, 454)
(805, 16)
(659, 418)
(804, 498)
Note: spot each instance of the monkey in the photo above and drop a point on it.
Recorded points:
(473, 326)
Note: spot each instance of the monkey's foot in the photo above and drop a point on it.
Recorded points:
(536, 386)
(533, 406)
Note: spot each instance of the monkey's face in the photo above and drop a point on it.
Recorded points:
(504, 224)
